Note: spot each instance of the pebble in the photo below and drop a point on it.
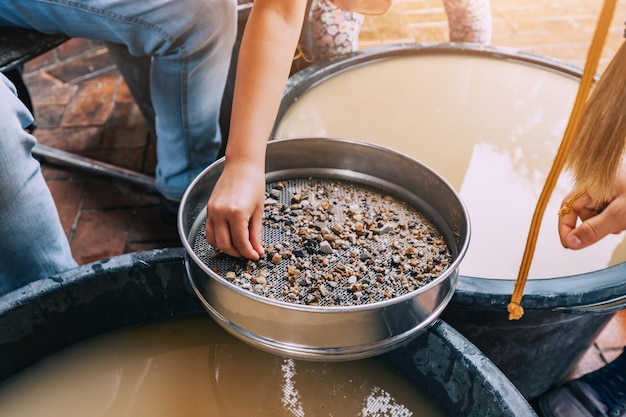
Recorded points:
(325, 247)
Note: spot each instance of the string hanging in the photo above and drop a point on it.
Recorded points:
(514, 308)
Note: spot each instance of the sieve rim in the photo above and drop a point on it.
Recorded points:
(333, 332)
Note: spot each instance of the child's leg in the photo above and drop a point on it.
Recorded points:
(469, 20)
(333, 31)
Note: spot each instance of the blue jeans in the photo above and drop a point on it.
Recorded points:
(187, 45)
(33, 244)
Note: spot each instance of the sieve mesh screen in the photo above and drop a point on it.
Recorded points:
(331, 242)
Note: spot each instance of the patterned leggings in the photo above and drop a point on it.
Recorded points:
(333, 31)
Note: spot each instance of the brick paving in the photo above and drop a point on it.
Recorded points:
(82, 105)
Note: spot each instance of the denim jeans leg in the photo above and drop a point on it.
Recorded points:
(135, 71)
(33, 244)
(190, 44)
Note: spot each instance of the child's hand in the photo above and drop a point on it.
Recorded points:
(598, 219)
(235, 212)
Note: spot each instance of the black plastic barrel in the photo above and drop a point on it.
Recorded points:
(47, 316)
(562, 318)
(471, 110)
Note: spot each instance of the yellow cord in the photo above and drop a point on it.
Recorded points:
(593, 57)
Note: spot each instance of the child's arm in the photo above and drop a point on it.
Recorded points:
(235, 208)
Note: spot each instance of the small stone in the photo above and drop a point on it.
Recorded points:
(385, 228)
(325, 247)
(276, 258)
(275, 194)
(343, 244)
(337, 229)
(322, 290)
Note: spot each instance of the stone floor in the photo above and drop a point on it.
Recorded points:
(82, 105)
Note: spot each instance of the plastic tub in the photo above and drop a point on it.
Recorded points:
(47, 316)
(489, 120)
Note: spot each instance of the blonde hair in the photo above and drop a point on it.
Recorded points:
(594, 158)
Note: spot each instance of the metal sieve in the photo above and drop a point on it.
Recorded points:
(405, 278)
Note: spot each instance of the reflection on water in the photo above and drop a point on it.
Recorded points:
(489, 125)
(192, 368)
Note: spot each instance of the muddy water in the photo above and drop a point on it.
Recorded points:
(490, 126)
(192, 368)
